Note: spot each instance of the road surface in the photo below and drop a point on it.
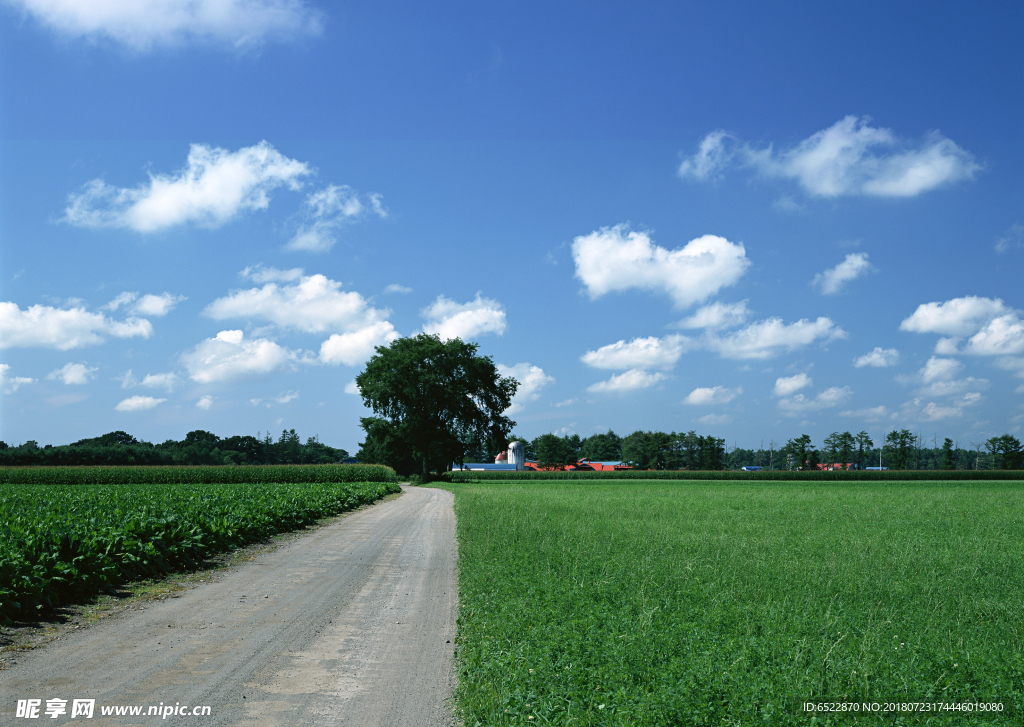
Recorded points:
(352, 624)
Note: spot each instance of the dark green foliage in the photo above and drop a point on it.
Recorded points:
(948, 457)
(602, 447)
(659, 604)
(385, 446)
(898, 449)
(1005, 451)
(554, 451)
(59, 544)
(195, 475)
(437, 398)
(197, 448)
(763, 476)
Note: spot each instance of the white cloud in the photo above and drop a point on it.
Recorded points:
(953, 387)
(715, 419)
(1012, 363)
(717, 315)
(832, 280)
(451, 320)
(871, 414)
(396, 288)
(711, 157)
(627, 381)
(879, 357)
(772, 337)
(286, 396)
(351, 388)
(1002, 336)
(229, 355)
(147, 305)
(326, 211)
(940, 369)
(356, 347)
(73, 373)
(640, 353)
(142, 25)
(10, 384)
(569, 402)
(956, 317)
(260, 274)
(205, 402)
(704, 396)
(531, 380)
(313, 304)
(160, 381)
(63, 328)
(833, 396)
(852, 158)
(616, 258)
(138, 403)
(786, 385)
(157, 305)
(1014, 237)
(215, 186)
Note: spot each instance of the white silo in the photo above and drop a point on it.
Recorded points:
(517, 455)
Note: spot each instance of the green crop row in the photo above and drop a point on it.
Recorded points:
(60, 544)
(773, 476)
(191, 475)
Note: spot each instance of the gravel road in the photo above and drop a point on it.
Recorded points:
(352, 624)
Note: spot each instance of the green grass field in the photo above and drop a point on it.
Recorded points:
(688, 603)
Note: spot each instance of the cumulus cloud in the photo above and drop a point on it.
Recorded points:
(786, 385)
(853, 158)
(832, 280)
(147, 305)
(871, 414)
(285, 397)
(950, 410)
(356, 347)
(717, 315)
(138, 403)
(955, 317)
(73, 373)
(260, 274)
(205, 402)
(213, 188)
(351, 388)
(531, 380)
(228, 356)
(396, 288)
(833, 396)
(640, 353)
(1002, 336)
(712, 156)
(63, 328)
(9, 384)
(1014, 237)
(879, 358)
(449, 319)
(326, 211)
(704, 396)
(627, 381)
(616, 258)
(772, 337)
(940, 369)
(712, 420)
(312, 304)
(143, 25)
(160, 381)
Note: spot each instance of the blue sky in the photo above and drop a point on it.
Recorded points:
(753, 222)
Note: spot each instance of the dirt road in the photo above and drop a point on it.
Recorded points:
(352, 624)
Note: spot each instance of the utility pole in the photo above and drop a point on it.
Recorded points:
(771, 457)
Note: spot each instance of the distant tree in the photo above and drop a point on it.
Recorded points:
(602, 447)
(796, 450)
(1005, 452)
(899, 448)
(554, 451)
(437, 396)
(948, 455)
(864, 445)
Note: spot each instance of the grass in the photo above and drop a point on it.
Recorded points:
(664, 603)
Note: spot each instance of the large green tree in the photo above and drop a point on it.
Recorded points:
(435, 398)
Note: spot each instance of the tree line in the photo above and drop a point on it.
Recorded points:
(199, 447)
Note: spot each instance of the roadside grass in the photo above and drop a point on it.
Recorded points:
(656, 603)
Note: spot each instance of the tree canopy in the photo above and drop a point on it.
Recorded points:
(433, 401)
